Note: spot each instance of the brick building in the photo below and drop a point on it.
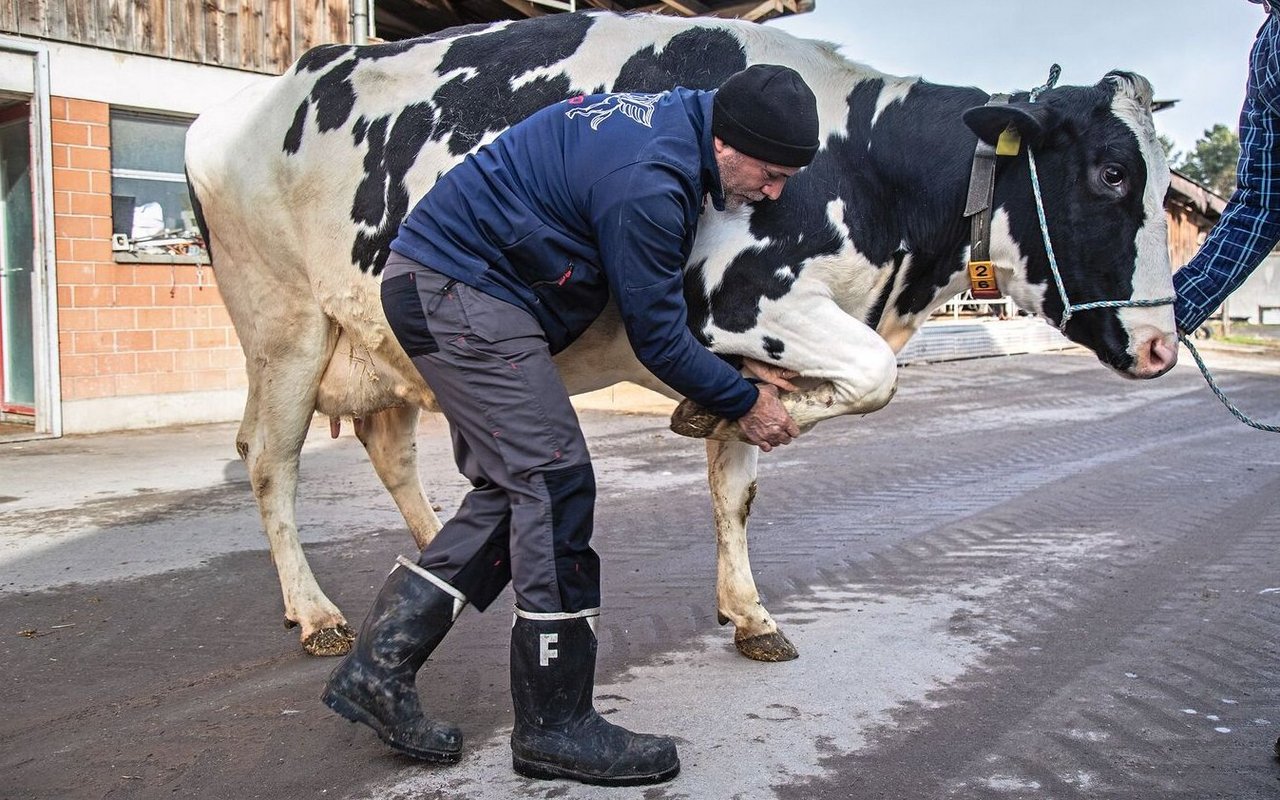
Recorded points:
(143, 338)
(109, 319)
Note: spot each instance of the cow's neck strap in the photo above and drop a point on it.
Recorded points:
(979, 208)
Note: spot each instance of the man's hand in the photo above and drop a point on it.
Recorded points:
(777, 376)
(768, 425)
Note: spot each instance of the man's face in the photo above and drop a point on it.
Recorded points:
(748, 180)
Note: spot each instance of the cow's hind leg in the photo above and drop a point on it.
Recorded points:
(731, 473)
(390, 438)
(284, 376)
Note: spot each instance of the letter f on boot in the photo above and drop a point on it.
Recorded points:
(546, 651)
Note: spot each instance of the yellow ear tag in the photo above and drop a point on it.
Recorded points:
(1009, 142)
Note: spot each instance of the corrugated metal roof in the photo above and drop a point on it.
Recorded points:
(401, 19)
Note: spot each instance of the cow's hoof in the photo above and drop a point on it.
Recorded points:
(692, 420)
(767, 647)
(330, 641)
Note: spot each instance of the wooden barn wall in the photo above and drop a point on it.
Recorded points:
(258, 35)
(1185, 229)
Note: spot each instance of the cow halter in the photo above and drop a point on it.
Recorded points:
(980, 207)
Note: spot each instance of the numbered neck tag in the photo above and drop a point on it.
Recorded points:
(982, 281)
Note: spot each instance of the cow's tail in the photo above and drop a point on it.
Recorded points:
(199, 212)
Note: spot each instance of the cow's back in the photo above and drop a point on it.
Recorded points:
(323, 163)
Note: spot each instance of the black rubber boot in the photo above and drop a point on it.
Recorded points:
(558, 733)
(375, 684)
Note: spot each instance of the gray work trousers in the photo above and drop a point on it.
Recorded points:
(528, 517)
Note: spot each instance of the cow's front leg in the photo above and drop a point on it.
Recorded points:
(731, 473)
(848, 369)
(390, 439)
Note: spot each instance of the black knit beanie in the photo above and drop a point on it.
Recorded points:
(768, 112)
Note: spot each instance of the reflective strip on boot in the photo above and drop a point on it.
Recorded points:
(459, 600)
(589, 614)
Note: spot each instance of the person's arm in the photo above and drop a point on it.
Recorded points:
(639, 215)
(1250, 226)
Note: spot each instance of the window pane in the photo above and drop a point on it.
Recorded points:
(143, 208)
(148, 143)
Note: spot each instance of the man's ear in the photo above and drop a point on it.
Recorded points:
(1032, 120)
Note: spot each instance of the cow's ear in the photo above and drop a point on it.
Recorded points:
(1032, 120)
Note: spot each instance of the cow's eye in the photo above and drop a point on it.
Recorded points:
(1114, 175)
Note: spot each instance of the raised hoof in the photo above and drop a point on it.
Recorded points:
(330, 641)
(767, 647)
(691, 419)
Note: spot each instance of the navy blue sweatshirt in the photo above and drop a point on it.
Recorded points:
(592, 196)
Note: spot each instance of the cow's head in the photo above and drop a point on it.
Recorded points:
(1103, 177)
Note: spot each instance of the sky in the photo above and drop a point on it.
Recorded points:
(1192, 51)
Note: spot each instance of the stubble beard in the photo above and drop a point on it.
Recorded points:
(735, 200)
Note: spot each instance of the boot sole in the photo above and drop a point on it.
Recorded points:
(354, 713)
(549, 772)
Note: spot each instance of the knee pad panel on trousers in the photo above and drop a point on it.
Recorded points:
(484, 577)
(573, 495)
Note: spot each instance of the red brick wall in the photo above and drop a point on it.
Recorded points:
(125, 329)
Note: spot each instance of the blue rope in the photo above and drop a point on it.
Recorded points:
(1067, 308)
(1055, 72)
(1208, 376)
(1048, 245)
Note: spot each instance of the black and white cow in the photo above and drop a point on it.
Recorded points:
(303, 182)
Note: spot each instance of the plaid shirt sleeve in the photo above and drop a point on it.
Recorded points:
(1250, 226)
